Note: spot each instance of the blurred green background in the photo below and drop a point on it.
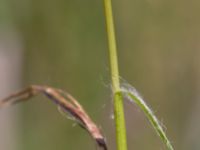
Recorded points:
(63, 44)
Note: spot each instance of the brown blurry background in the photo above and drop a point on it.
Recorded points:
(63, 43)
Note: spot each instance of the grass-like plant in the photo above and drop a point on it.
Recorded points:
(70, 105)
(128, 92)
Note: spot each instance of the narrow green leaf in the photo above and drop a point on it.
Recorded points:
(135, 97)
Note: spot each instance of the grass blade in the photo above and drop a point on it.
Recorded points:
(134, 96)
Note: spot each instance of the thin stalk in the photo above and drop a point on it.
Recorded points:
(118, 100)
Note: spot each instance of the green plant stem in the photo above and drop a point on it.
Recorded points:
(118, 100)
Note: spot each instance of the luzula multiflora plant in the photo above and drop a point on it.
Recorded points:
(70, 105)
(120, 91)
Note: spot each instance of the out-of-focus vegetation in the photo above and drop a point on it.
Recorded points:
(65, 45)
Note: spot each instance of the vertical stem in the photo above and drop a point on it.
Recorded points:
(118, 101)
(112, 45)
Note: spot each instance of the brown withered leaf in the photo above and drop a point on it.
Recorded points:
(65, 101)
